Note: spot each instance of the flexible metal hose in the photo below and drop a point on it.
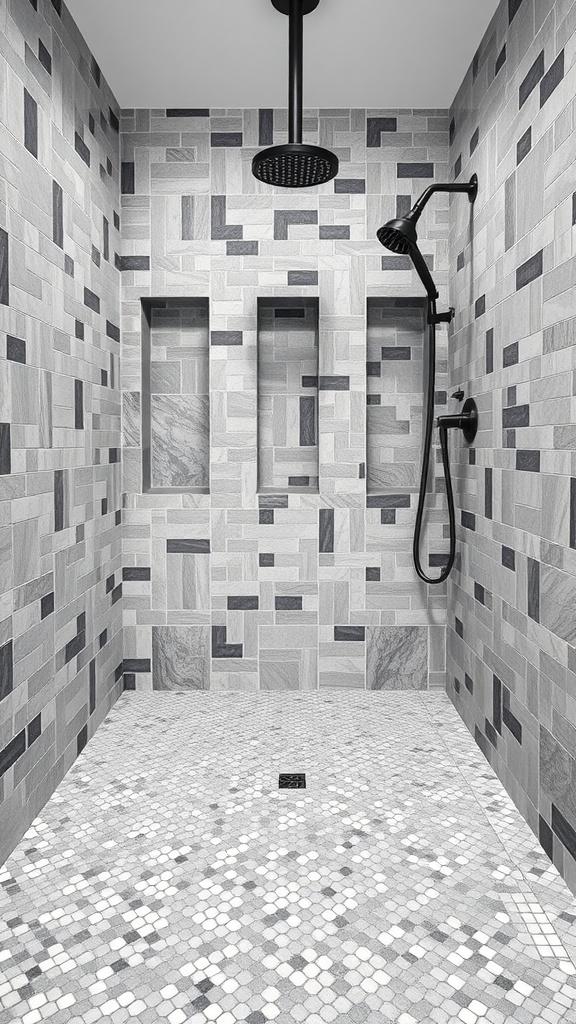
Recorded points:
(426, 451)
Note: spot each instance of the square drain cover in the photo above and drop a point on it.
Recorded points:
(294, 780)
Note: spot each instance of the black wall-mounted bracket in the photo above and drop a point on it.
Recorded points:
(284, 6)
(442, 318)
(466, 421)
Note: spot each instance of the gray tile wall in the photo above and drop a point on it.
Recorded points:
(296, 590)
(511, 632)
(60, 486)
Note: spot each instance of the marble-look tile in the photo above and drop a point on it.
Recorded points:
(397, 657)
(179, 436)
(557, 602)
(180, 657)
(131, 419)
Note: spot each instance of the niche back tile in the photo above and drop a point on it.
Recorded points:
(287, 398)
(175, 395)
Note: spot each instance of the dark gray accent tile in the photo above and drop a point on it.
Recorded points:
(510, 354)
(15, 349)
(226, 337)
(488, 493)
(34, 729)
(225, 139)
(416, 170)
(489, 358)
(350, 633)
(333, 382)
(388, 517)
(349, 185)
(266, 517)
(388, 501)
(10, 754)
(188, 206)
(91, 300)
(92, 686)
(307, 421)
(112, 331)
(265, 126)
(396, 352)
(242, 604)
(373, 574)
(79, 405)
(57, 215)
(5, 449)
(513, 8)
(531, 81)
(480, 306)
(58, 500)
(374, 128)
(533, 591)
(288, 604)
(177, 546)
(474, 140)
(564, 830)
(136, 573)
(219, 228)
(4, 269)
(326, 529)
(517, 416)
(552, 78)
(497, 703)
(187, 112)
(524, 145)
(334, 231)
(545, 836)
(136, 665)
(284, 218)
(45, 57)
(395, 262)
(529, 270)
(127, 178)
(468, 520)
(222, 649)
(528, 461)
(266, 560)
(134, 263)
(302, 277)
(500, 60)
(572, 512)
(46, 605)
(30, 124)
(81, 148)
(242, 248)
(508, 718)
(508, 558)
(6, 670)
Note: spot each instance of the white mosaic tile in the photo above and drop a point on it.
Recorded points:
(169, 878)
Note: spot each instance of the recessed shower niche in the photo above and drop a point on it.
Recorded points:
(175, 395)
(288, 395)
(396, 333)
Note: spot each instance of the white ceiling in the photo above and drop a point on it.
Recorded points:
(233, 53)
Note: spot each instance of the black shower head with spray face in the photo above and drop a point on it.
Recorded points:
(295, 164)
(400, 235)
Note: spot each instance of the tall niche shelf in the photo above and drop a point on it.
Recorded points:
(395, 396)
(287, 395)
(175, 395)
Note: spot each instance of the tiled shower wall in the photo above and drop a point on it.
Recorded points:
(512, 621)
(284, 590)
(60, 497)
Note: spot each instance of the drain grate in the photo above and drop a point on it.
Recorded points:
(293, 780)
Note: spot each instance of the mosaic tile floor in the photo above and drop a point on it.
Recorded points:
(169, 879)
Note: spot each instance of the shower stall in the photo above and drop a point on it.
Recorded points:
(253, 766)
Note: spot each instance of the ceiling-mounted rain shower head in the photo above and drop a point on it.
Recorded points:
(295, 164)
(400, 235)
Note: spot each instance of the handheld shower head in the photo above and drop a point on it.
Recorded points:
(400, 236)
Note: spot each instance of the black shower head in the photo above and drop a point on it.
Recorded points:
(295, 165)
(400, 235)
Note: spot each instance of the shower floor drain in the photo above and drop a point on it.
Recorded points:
(294, 780)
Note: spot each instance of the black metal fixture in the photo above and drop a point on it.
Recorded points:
(400, 236)
(295, 164)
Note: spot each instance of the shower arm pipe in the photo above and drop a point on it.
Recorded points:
(295, 62)
(470, 187)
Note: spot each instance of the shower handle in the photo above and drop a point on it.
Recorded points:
(466, 421)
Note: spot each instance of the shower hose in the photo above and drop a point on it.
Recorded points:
(426, 452)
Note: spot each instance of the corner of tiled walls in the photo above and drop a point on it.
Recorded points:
(511, 619)
(60, 486)
(232, 589)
